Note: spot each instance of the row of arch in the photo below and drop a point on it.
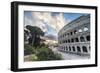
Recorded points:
(72, 40)
(78, 49)
(74, 32)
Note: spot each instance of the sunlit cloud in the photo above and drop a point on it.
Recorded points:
(48, 22)
(41, 19)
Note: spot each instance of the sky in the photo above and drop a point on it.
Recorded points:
(49, 22)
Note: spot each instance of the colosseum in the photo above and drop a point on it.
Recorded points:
(74, 38)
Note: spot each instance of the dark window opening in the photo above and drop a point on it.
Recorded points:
(82, 39)
(68, 40)
(89, 48)
(84, 49)
(73, 48)
(75, 31)
(72, 40)
(76, 39)
(78, 49)
(69, 48)
(63, 41)
(66, 48)
(88, 38)
(71, 33)
(67, 33)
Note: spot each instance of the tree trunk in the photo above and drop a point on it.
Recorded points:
(33, 38)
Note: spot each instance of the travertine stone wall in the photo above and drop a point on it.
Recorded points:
(75, 37)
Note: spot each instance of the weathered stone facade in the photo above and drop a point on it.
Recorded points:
(74, 37)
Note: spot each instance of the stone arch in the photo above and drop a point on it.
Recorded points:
(84, 49)
(75, 31)
(76, 40)
(69, 48)
(71, 33)
(72, 40)
(73, 48)
(78, 49)
(82, 39)
(89, 48)
(88, 37)
(68, 40)
(66, 48)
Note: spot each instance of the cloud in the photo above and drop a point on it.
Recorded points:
(55, 21)
(51, 37)
(35, 21)
(44, 20)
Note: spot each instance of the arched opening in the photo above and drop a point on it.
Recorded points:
(66, 48)
(89, 48)
(72, 40)
(69, 48)
(65, 41)
(88, 37)
(67, 33)
(78, 49)
(75, 31)
(71, 33)
(68, 40)
(76, 39)
(84, 49)
(73, 48)
(82, 39)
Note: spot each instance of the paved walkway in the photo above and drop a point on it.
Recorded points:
(68, 56)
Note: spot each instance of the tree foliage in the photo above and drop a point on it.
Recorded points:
(35, 50)
(28, 49)
(36, 32)
(47, 54)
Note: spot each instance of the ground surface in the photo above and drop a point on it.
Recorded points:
(65, 56)
(68, 56)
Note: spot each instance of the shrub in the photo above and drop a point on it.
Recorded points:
(28, 49)
(40, 53)
(47, 54)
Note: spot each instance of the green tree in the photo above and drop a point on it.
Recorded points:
(28, 50)
(47, 54)
(36, 32)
